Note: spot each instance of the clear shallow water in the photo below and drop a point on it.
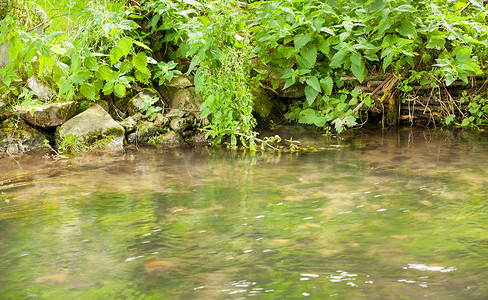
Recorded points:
(384, 215)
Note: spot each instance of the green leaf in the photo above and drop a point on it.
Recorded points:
(436, 42)
(309, 53)
(91, 62)
(141, 45)
(105, 73)
(301, 40)
(115, 55)
(127, 25)
(311, 94)
(119, 90)
(327, 85)
(140, 62)
(61, 68)
(192, 2)
(314, 83)
(408, 30)
(108, 88)
(357, 66)
(309, 116)
(462, 53)
(477, 3)
(323, 46)
(339, 58)
(125, 45)
(88, 91)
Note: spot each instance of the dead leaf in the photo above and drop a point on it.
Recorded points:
(52, 278)
(375, 207)
(426, 202)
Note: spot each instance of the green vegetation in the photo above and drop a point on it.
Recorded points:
(107, 51)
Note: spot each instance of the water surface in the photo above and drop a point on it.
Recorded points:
(396, 214)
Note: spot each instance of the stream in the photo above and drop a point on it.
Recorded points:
(381, 214)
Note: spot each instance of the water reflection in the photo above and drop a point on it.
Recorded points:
(390, 215)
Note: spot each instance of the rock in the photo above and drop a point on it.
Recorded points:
(17, 137)
(4, 59)
(266, 110)
(162, 121)
(48, 115)
(135, 103)
(182, 124)
(95, 129)
(181, 82)
(170, 139)
(181, 93)
(41, 91)
(129, 124)
(180, 113)
(144, 131)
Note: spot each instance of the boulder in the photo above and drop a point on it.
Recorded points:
(170, 139)
(180, 93)
(144, 131)
(135, 103)
(181, 124)
(40, 90)
(266, 109)
(18, 137)
(95, 128)
(48, 115)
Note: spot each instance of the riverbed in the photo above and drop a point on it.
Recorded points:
(379, 214)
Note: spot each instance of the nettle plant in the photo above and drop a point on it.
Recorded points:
(316, 43)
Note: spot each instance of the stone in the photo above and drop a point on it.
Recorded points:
(135, 103)
(266, 109)
(182, 124)
(145, 130)
(40, 90)
(170, 139)
(129, 124)
(17, 137)
(180, 113)
(180, 82)
(95, 128)
(4, 59)
(48, 115)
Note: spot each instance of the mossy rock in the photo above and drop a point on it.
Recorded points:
(94, 129)
(17, 137)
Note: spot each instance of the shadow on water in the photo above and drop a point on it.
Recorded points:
(380, 214)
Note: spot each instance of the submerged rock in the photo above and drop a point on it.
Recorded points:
(94, 128)
(17, 137)
(48, 115)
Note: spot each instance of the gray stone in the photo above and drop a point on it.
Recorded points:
(48, 115)
(16, 137)
(144, 131)
(41, 91)
(96, 128)
(170, 139)
(182, 124)
(129, 124)
(179, 113)
(181, 82)
(4, 59)
(134, 105)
